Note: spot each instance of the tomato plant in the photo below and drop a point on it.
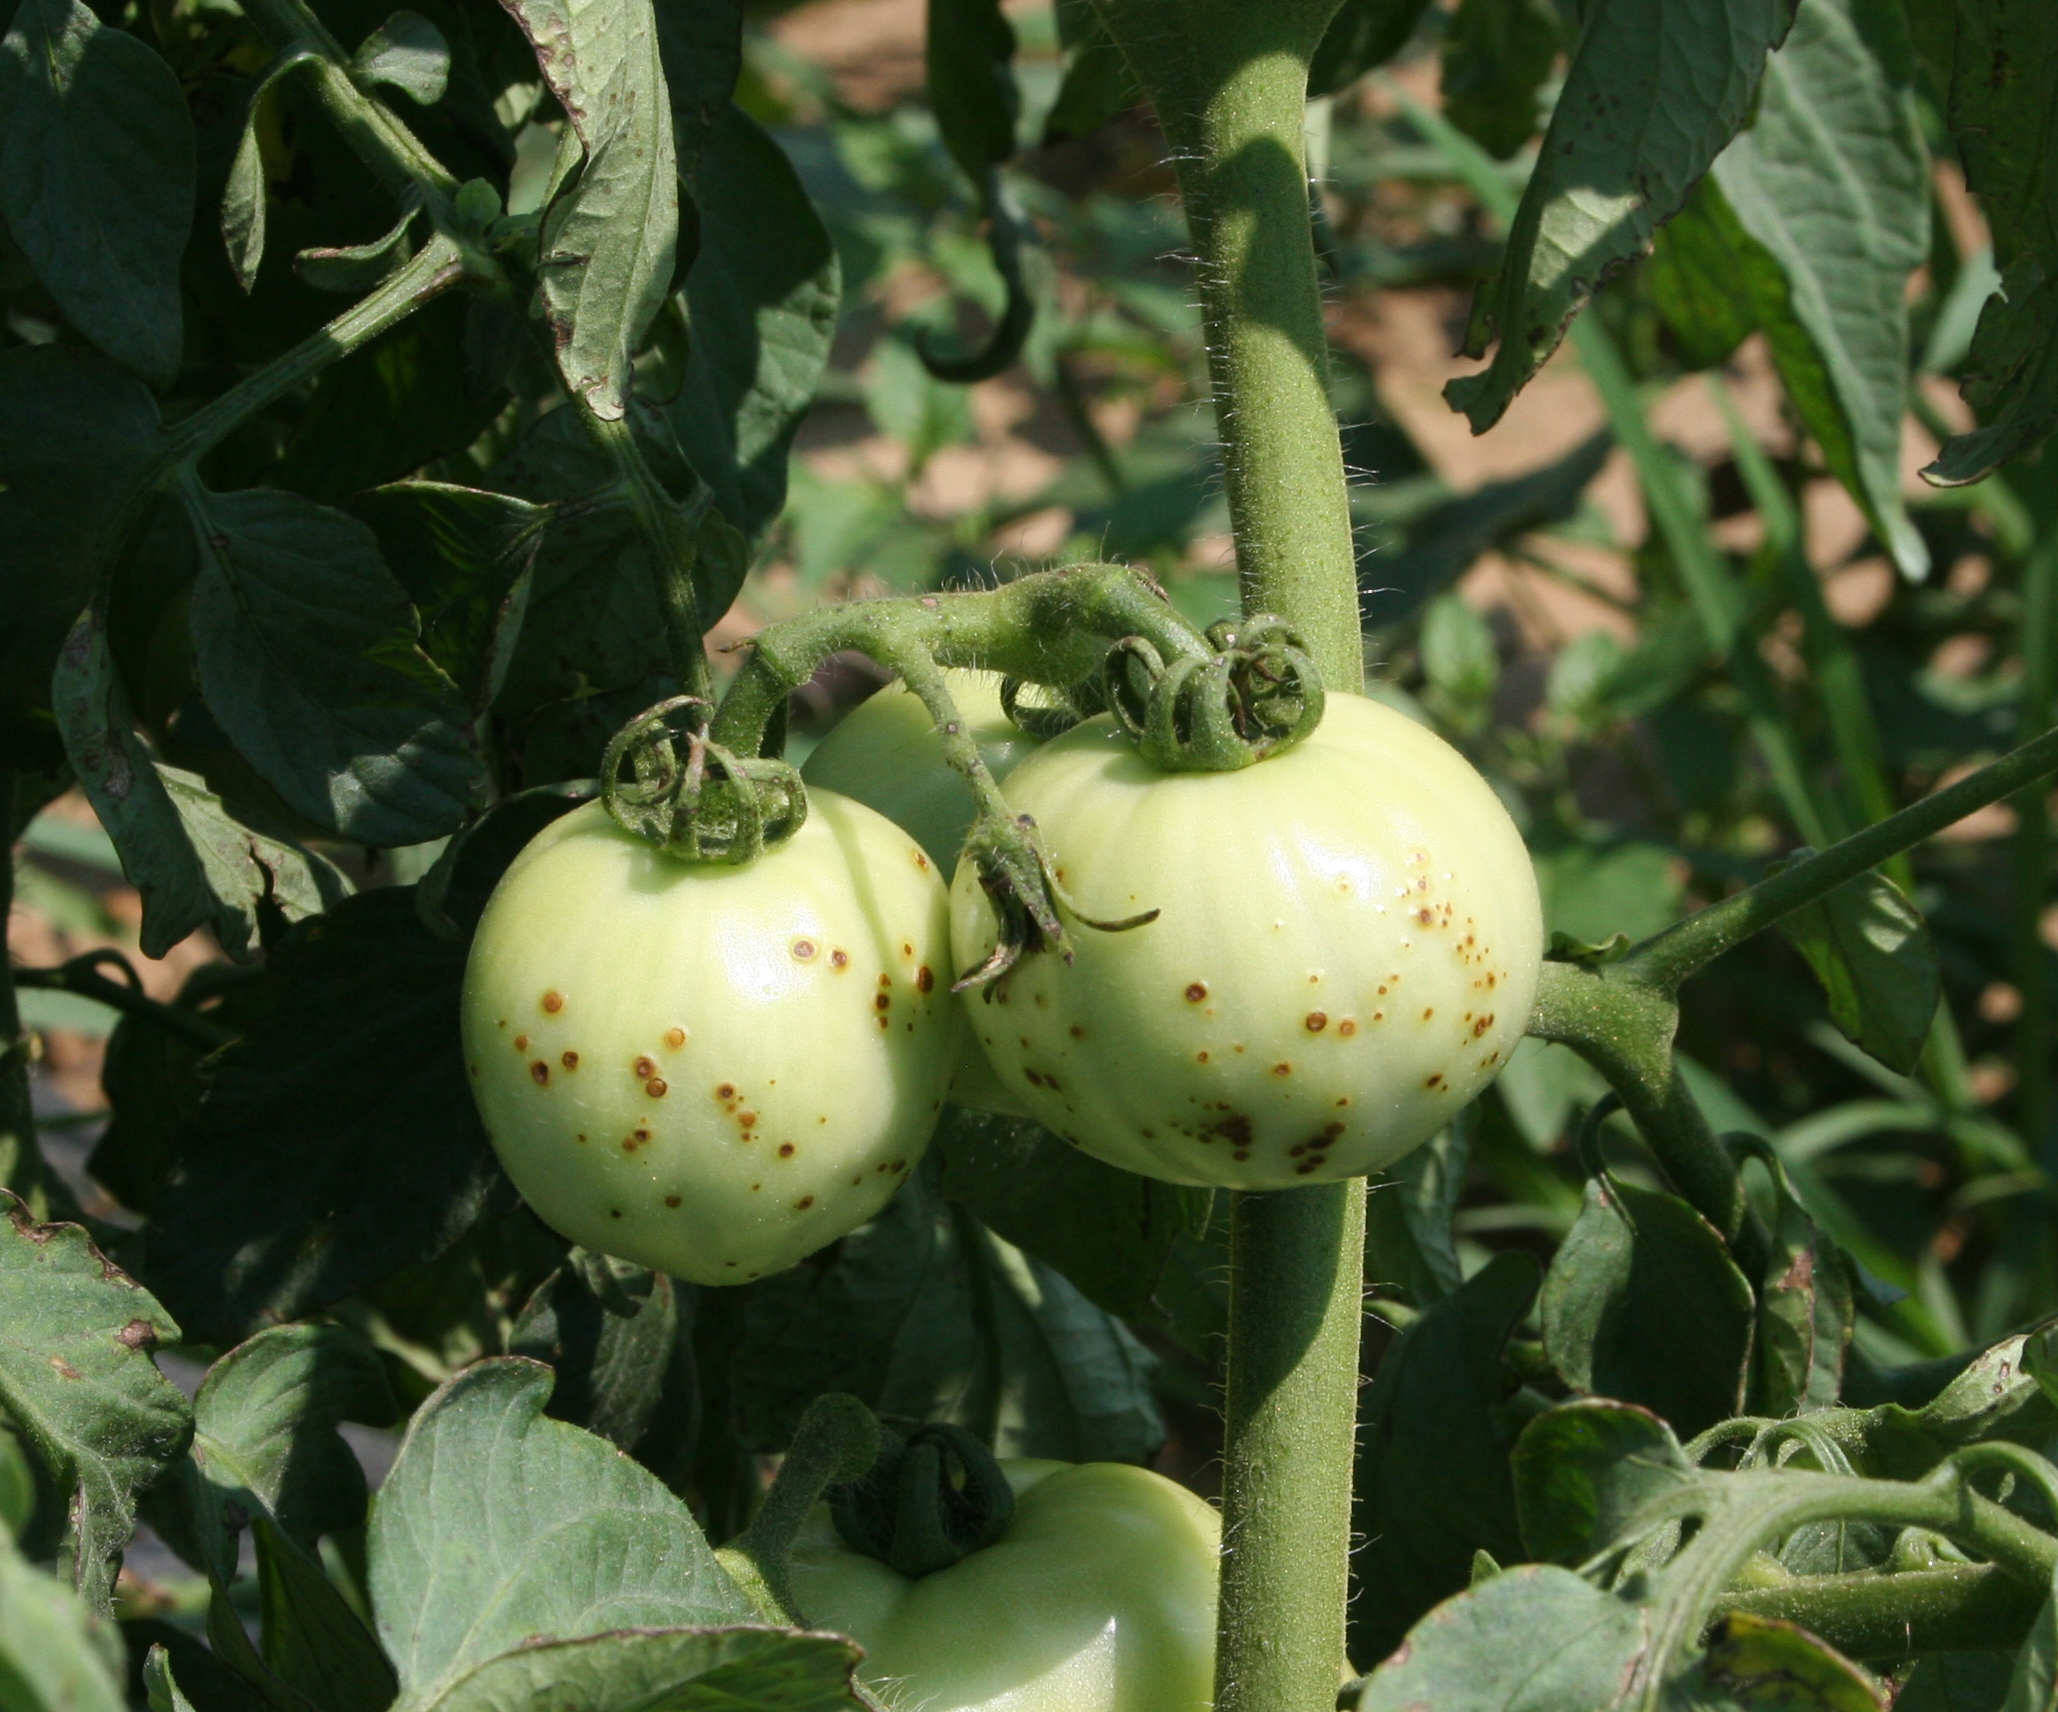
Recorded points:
(455, 459)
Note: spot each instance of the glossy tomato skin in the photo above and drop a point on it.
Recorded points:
(1099, 1597)
(712, 1071)
(1346, 952)
(886, 754)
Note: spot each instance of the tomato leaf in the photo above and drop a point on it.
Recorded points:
(751, 1670)
(761, 301)
(1496, 57)
(1871, 950)
(77, 1382)
(1432, 1479)
(1833, 181)
(55, 1656)
(76, 434)
(337, 1140)
(1583, 1471)
(1408, 1241)
(1643, 1303)
(702, 50)
(96, 177)
(611, 227)
(1107, 1230)
(346, 718)
(194, 862)
(582, 1539)
(1363, 35)
(407, 53)
(1655, 90)
(1806, 1307)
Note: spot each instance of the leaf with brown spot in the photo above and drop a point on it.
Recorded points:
(77, 1382)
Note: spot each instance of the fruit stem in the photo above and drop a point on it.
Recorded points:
(837, 1440)
(1229, 82)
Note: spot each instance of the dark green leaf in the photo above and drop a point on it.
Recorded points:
(407, 53)
(1584, 1472)
(926, 1316)
(1592, 892)
(96, 177)
(1536, 1639)
(455, 891)
(1655, 90)
(55, 1656)
(1108, 1231)
(314, 1642)
(338, 1139)
(78, 1384)
(1496, 57)
(76, 434)
(1643, 1303)
(678, 1670)
(1692, 278)
(355, 268)
(1408, 1243)
(1098, 88)
(308, 656)
(611, 229)
(1956, 1682)
(702, 49)
(971, 64)
(194, 863)
(243, 198)
(1805, 1305)
(2001, 113)
(622, 1354)
(463, 555)
(1432, 1479)
(1871, 950)
(2033, 1684)
(1832, 179)
(1364, 34)
(761, 300)
(582, 1540)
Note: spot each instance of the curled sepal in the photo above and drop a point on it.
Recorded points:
(664, 780)
(1258, 694)
(931, 1500)
(1042, 720)
(1025, 893)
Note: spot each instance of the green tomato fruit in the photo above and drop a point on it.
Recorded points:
(886, 754)
(1346, 950)
(1098, 1597)
(709, 1070)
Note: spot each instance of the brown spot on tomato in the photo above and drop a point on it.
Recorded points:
(553, 1002)
(1201, 1057)
(671, 1200)
(579, 1138)
(925, 978)
(541, 1071)
(1241, 1153)
(521, 1043)
(473, 1068)
(569, 1059)
(1303, 1170)
(655, 1087)
(675, 1038)
(1482, 1025)
(1434, 1081)
(1076, 1032)
(645, 1068)
(1315, 1021)
(787, 1150)
(1428, 1011)
(906, 950)
(1282, 1069)
(746, 1120)
(1196, 991)
(1330, 1131)
(614, 1212)
(900, 1165)
(804, 950)
(726, 1091)
(839, 959)
(805, 1202)
(1348, 1027)
(883, 1001)
(921, 861)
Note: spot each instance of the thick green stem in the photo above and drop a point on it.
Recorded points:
(1229, 81)
(1874, 1618)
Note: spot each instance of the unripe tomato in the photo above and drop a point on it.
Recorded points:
(712, 1071)
(1098, 1597)
(1346, 950)
(885, 754)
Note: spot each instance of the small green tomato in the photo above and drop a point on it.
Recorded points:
(1346, 950)
(712, 1071)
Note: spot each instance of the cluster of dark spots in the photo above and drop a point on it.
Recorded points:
(1315, 1021)
(1232, 1127)
(787, 1150)
(805, 1202)
(805, 950)
(553, 1002)
(637, 1137)
(541, 1071)
(569, 1059)
(1482, 1025)
(1491, 1059)
(1196, 991)
(1315, 1147)
(1039, 1078)
(1435, 1080)
(671, 1200)
(675, 1038)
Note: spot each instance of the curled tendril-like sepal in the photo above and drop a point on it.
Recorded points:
(1026, 894)
(1257, 694)
(1041, 720)
(691, 797)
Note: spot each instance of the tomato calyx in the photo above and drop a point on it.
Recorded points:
(929, 1501)
(1016, 874)
(1257, 695)
(707, 804)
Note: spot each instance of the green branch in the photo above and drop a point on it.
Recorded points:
(81, 976)
(1878, 1619)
